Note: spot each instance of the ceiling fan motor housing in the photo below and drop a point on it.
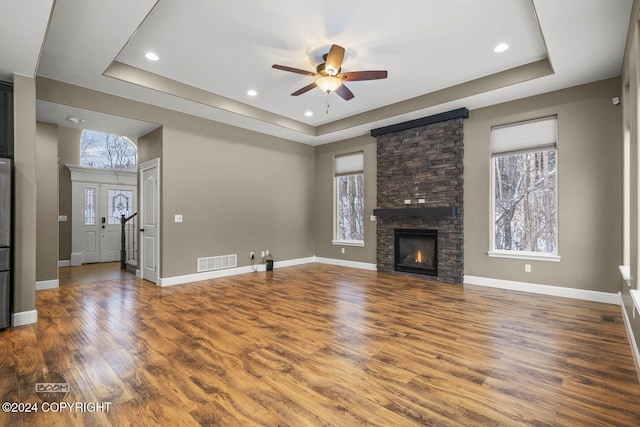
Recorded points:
(322, 69)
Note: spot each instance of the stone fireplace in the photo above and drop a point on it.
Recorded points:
(420, 189)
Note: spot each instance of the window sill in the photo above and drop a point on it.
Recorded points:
(625, 272)
(348, 243)
(533, 256)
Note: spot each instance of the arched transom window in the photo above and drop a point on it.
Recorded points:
(106, 150)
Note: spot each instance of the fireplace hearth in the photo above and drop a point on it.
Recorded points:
(416, 251)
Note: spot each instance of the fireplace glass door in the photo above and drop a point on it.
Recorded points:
(416, 251)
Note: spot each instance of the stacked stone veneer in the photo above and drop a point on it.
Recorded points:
(422, 163)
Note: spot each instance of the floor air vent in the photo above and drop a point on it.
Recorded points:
(608, 318)
(217, 262)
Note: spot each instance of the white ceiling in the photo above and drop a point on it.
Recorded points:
(211, 53)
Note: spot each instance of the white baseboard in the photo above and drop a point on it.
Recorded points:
(632, 340)
(47, 284)
(188, 278)
(583, 294)
(24, 318)
(346, 263)
(64, 263)
(76, 259)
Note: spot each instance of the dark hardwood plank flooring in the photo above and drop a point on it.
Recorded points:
(319, 345)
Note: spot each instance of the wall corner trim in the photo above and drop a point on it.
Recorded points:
(635, 350)
(47, 284)
(24, 318)
(558, 291)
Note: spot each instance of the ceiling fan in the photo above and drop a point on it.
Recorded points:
(328, 75)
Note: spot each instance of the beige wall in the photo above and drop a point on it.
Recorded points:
(238, 191)
(589, 188)
(68, 154)
(24, 280)
(630, 88)
(150, 146)
(324, 205)
(47, 202)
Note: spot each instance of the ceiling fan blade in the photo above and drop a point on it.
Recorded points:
(292, 70)
(344, 92)
(304, 89)
(334, 59)
(363, 75)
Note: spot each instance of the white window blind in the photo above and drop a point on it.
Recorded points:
(524, 136)
(350, 163)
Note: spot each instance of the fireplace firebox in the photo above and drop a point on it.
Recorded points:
(416, 251)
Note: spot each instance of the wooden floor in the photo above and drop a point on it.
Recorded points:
(319, 345)
(91, 273)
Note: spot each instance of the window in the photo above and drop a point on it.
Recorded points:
(525, 178)
(120, 203)
(105, 150)
(89, 206)
(349, 190)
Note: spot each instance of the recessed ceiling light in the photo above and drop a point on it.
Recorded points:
(252, 92)
(501, 47)
(151, 56)
(308, 113)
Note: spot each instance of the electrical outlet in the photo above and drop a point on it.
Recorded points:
(527, 268)
(252, 256)
(342, 250)
(267, 252)
(262, 254)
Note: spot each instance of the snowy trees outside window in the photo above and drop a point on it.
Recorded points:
(349, 181)
(350, 207)
(105, 150)
(525, 202)
(525, 181)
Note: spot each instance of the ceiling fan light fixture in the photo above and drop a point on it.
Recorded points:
(328, 83)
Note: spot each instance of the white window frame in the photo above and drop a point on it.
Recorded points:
(541, 142)
(343, 165)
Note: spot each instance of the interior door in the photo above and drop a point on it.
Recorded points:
(115, 202)
(149, 221)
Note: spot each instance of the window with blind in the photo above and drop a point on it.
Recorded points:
(349, 202)
(525, 181)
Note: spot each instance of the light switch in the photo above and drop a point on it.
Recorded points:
(62, 218)
(178, 218)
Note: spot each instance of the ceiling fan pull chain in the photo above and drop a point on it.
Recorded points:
(327, 103)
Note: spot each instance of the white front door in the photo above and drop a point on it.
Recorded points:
(103, 205)
(150, 220)
(116, 201)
